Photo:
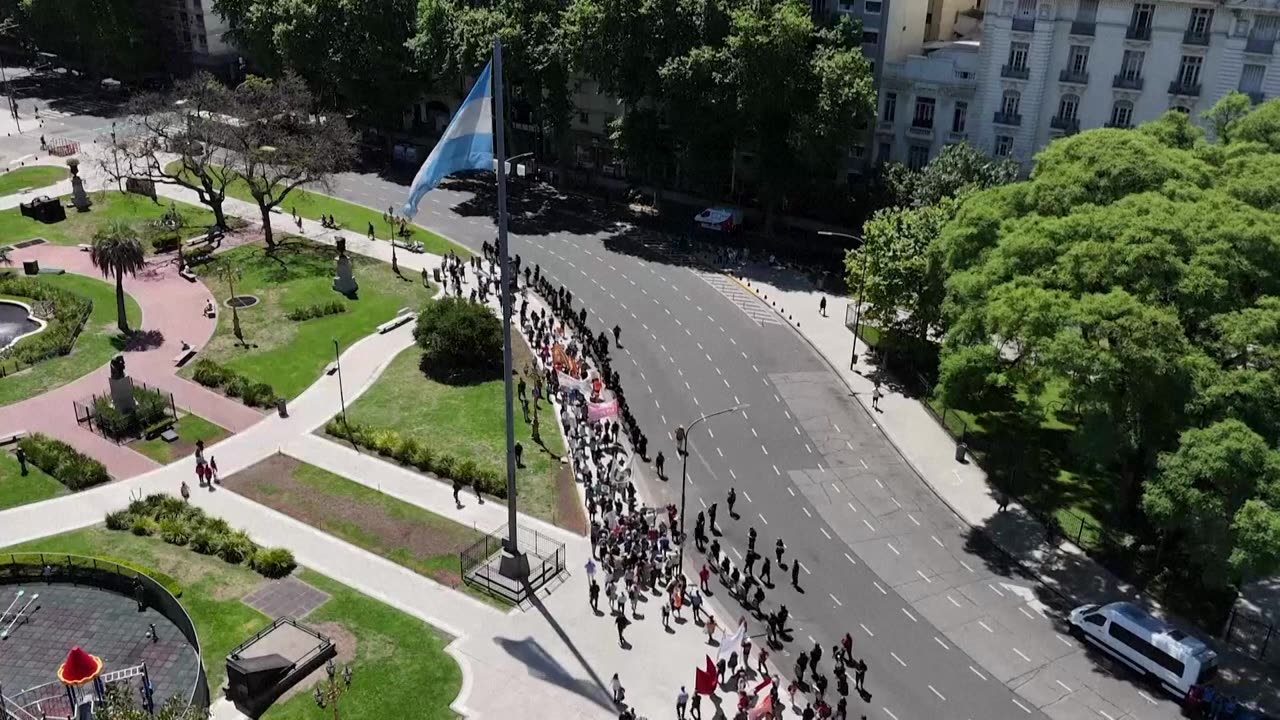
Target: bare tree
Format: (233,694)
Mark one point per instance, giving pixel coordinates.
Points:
(184,123)
(276,144)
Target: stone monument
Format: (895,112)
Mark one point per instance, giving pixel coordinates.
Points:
(121,386)
(343,281)
(78,196)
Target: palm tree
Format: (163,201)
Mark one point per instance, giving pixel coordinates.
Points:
(5,258)
(116,251)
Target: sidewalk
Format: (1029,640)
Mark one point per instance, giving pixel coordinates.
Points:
(930,450)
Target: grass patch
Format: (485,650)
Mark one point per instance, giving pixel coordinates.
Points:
(290,355)
(190,428)
(403,533)
(29,178)
(17,489)
(311,205)
(108,205)
(467,421)
(390,646)
(97,342)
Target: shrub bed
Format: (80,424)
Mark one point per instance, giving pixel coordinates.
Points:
(66,314)
(212,375)
(151,409)
(62,462)
(179,523)
(202,254)
(310,312)
(408,451)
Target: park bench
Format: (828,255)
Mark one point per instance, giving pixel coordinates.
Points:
(183,356)
(331,368)
(187,275)
(84,247)
(395,322)
(12,437)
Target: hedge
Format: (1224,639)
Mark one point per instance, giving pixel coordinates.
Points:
(406,450)
(197,256)
(66,314)
(62,462)
(310,312)
(177,522)
(212,375)
(151,409)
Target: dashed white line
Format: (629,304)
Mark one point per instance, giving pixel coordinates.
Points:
(995,589)
(1024,612)
(766,522)
(924,577)
(986,627)
(864,462)
(935,692)
(802,567)
(704,503)
(1106,715)
(1063,640)
(935,539)
(710,433)
(837,600)
(719,452)
(869,525)
(866,630)
(1025,709)
(732,474)
(984,677)
(908,614)
(849,557)
(894,549)
(880,587)
(1147,697)
(850,504)
(966,566)
(940,642)
(889,712)
(753,367)
(1022,655)
(913,519)
(825,533)
(796,428)
(953,600)
(735,552)
(806,447)
(793,492)
(895,502)
(879,483)
(765,449)
(754,433)
(1065,686)
(835,487)
(807,513)
(901,662)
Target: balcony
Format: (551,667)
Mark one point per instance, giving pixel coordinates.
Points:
(885,126)
(920,130)
(957,136)
(1256,97)
(1138,32)
(1020,72)
(1069,125)
(1260,45)
(1125,82)
(1080,27)
(1180,87)
(1195,37)
(1071,76)
(1024,24)
(1005,118)
(1119,126)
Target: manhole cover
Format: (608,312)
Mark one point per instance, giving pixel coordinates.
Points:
(29,243)
(242,301)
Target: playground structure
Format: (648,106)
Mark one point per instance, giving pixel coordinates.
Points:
(48,666)
(62,147)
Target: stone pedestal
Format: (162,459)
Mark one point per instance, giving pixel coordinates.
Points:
(514,566)
(78,196)
(343,281)
(121,386)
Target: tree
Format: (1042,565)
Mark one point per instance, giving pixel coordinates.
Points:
(461,341)
(1200,492)
(958,169)
(1224,113)
(126,39)
(275,146)
(116,251)
(178,122)
(120,704)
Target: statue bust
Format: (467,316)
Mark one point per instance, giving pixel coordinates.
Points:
(117,367)
(342,246)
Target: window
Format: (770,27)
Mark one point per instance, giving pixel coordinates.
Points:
(1078,59)
(924,113)
(857,151)
(1189,70)
(1018,55)
(1095,619)
(1146,649)
(870,37)
(1122,114)
(1143,14)
(1009,103)
(1251,78)
(884,154)
(890,106)
(584,118)
(1181,109)
(959,117)
(1087,11)
(1131,65)
(872,7)
(1026,8)
(1201,21)
(917,156)
(1004,145)
(1069,106)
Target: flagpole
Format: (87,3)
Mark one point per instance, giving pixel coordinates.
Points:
(514,563)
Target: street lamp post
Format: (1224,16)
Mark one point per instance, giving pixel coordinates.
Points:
(862,286)
(332,688)
(115,156)
(342,397)
(682,447)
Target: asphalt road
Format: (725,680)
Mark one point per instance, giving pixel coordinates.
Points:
(807,462)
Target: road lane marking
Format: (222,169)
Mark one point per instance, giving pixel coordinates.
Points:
(754,433)
(704,503)
(889,712)
(793,492)
(908,614)
(1106,715)
(864,462)
(1065,686)
(835,487)
(796,428)
(732,474)
(924,577)
(837,427)
(806,447)
(966,566)
(1025,709)
(1022,654)
(735,552)
(913,519)
(837,600)
(880,587)
(766,522)
(995,589)
(753,367)
(895,502)
(1063,640)
(1147,697)
(807,513)
(986,627)
(851,507)
(975,672)
(719,452)
(953,600)
(901,662)
(935,537)
(894,549)
(765,449)
(935,692)
(867,630)
(802,567)
(880,483)
(1024,612)
(848,557)
(727,386)
(710,434)
(869,525)
(939,641)
(824,532)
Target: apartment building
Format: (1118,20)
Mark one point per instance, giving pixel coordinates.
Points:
(891,29)
(200,33)
(927,101)
(1052,67)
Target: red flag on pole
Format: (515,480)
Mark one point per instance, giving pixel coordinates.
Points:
(704,682)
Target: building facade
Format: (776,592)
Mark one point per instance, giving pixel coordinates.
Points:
(1052,67)
(927,102)
(201,32)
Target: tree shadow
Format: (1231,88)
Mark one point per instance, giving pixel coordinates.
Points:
(532,208)
(138,341)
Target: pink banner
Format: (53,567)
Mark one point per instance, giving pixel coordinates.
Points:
(600,411)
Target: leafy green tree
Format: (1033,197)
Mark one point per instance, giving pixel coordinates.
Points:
(126,39)
(120,704)
(116,251)
(958,169)
(461,341)
(1200,491)
(1261,125)
(1229,108)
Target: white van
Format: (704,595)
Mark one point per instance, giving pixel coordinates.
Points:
(1147,644)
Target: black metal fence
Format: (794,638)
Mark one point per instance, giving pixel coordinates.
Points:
(1253,635)
(479,564)
(86,414)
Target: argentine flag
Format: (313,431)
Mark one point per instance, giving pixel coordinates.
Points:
(467,144)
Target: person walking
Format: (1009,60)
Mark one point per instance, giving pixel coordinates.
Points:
(594,595)
(695,604)
(762,657)
(695,707)
(519,455)
(778,549)
(815,655)
(766,572)
(457,488)
(711,627)
(186,491)
(591,569)
(682,701)
(846,644)
(860,675)
(711,515)
(751,540)
(795,574)
(200,472)
(660,462)
(802,662)
(213,470)
(619,692)
(733,498)
(822,306)
(666,615)
(703,575)
(875,397)
(621,621)
(617,336)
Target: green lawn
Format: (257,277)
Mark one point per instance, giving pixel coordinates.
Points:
(311,205)
(190,428)
(286,354)
(97,342)
(406,534)
(16,489)
(467,421)
(107,206)
(29,178)
(400,665)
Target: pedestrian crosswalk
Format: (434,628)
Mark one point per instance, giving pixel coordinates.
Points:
(746,301)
